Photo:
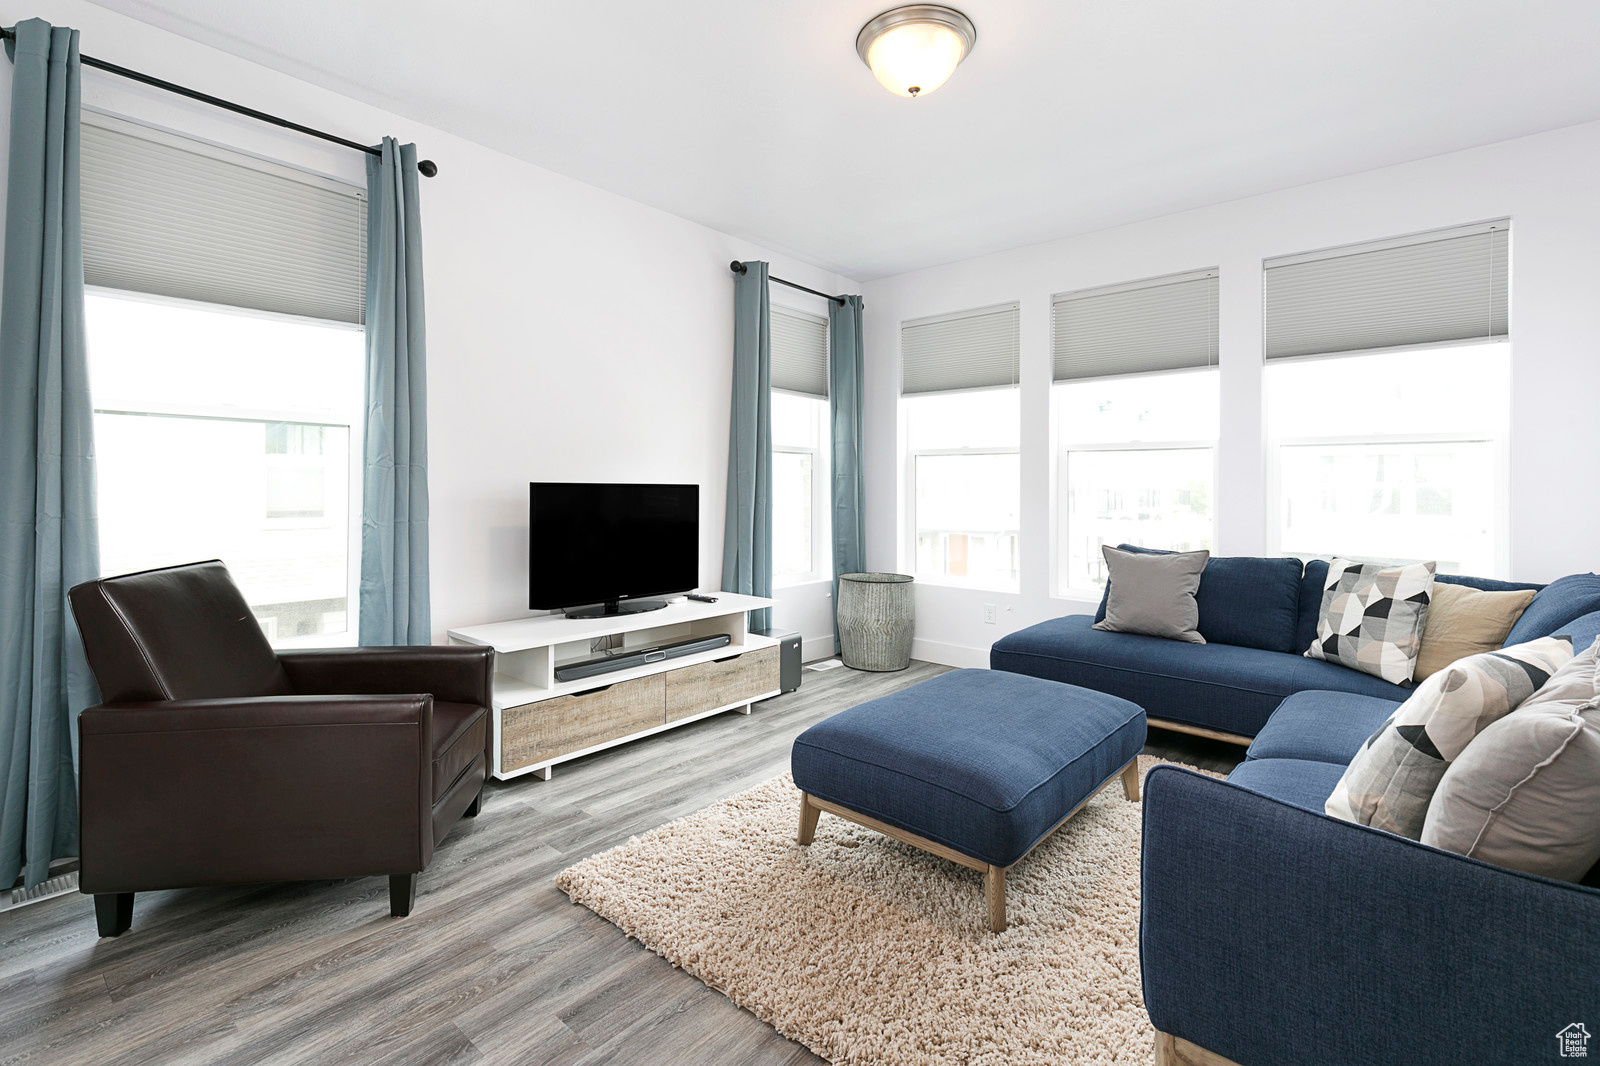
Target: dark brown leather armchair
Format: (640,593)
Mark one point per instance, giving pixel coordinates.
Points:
(213,760)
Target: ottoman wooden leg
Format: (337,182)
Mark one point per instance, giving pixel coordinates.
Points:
(1130,780)
(808,820)
(994,893)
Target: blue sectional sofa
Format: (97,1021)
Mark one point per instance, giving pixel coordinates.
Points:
(1272,934)
(1258,616)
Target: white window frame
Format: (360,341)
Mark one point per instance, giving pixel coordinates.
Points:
(1500,442)
(352,420)
(821,498)
(1062,445)
(909,545)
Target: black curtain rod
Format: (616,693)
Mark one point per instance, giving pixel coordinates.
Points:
(739,268)
(426,167)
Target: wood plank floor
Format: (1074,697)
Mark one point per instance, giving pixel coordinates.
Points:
(494,964)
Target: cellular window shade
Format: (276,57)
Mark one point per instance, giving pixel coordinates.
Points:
(165,220)
(799,352)
(1441,287)
(1167,323)
(968,350)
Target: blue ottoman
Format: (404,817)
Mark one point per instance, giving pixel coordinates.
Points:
(976,766)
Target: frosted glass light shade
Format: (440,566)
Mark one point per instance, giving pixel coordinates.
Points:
(913,50)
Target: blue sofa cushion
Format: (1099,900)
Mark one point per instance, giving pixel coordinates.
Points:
(1321,726)
(983,762)
(1300,782)
(1487,584)
(1558,603)
(1312,585)
(1583,630)
(1216,686)
(1244,601)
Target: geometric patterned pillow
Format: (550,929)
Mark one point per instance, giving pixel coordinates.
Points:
(1373,616)
(1392,779)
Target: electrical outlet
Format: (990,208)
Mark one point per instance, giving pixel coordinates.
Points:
(990,615)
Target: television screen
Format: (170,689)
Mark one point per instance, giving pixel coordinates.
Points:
(604,543)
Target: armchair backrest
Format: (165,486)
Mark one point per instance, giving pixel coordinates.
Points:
(179,633)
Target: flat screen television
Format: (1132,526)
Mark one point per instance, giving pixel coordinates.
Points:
(606,547)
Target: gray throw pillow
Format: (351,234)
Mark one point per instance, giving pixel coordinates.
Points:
(1525,794)
(1392,779)
(1154,594)
(1373,617)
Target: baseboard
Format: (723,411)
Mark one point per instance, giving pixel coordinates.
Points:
(815,648)
(958,655)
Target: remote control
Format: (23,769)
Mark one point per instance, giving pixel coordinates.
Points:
(699,598)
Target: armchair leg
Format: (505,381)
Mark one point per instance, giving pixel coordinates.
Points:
(476,805)
(402,894)
(113,912)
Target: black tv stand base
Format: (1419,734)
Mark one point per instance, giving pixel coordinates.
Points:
(614,607)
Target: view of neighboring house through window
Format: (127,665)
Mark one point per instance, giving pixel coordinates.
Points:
(226,368)
(1134,414)
(961,413)
(801,536)
(1399,453)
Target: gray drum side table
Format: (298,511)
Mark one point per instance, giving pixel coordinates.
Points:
(876,612)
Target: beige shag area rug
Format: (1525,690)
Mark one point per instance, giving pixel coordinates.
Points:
(867,950)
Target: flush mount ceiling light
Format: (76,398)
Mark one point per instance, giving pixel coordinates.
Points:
(913,50)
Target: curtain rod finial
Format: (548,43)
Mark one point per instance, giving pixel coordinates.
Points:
(428,168)
(737,267)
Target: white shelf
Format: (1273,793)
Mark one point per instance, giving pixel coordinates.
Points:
(521,634)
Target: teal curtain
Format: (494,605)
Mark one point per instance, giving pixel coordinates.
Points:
(49,540)
(747,529)
(394,487)
(845,369)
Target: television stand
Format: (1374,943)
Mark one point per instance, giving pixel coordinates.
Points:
(616,607)
(538,720)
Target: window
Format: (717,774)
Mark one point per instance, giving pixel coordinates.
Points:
(1134,413)
(961,412)
(1396,454)
(1135,464)
(223,434)
(801,531)
(1413,470)
(226,366)
(801,501)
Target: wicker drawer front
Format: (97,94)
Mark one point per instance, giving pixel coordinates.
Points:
(706,685)
(541,731)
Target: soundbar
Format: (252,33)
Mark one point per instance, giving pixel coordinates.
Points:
(627,659)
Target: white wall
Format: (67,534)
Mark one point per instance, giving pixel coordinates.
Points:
(1545,183)
(572,334)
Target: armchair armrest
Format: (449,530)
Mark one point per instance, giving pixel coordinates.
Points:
(455,674)
(276,788)
(1272,934)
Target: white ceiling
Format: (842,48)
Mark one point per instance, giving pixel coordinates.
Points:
(755,117)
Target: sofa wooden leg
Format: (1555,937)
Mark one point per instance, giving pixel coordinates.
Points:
(476,805)
(1175,1051)
(994,894)
(808,820)
(113,912)
(1130,780)
(402,894)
